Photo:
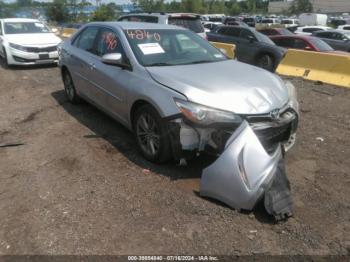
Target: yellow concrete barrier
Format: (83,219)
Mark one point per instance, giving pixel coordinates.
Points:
(329,68)
(68,32)
(229,48)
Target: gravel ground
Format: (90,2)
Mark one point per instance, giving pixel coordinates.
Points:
(77,185)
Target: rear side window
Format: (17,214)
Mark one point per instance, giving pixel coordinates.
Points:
(108,42)
(268,32)
(86,39)
(284,42)
(347,28)
(324,35)
(193,24)
(232,31)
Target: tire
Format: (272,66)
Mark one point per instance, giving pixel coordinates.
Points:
(69,88)
(4,59)
(151,135)
(266,62)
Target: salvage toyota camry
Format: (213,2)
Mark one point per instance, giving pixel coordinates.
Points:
(181,96)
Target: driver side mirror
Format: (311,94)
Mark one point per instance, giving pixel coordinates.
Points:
(115,59)
(251,39)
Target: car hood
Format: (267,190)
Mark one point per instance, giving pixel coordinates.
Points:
(227,85)
(43,39)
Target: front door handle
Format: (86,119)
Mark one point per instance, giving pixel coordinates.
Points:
(92,66)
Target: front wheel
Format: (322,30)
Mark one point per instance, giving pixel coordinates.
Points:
(151,134)
(266,62)
(4,59)
(70,88)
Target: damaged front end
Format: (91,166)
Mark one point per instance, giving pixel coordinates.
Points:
(249,164)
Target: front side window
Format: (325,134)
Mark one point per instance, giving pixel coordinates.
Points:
(108,42)
(25,28)
(246,34)
(166,47)
(86,39)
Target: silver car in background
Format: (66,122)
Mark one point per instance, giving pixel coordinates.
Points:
(181,96)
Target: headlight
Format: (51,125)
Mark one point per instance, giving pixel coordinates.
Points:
(205,115)
(293,98)
(18,47)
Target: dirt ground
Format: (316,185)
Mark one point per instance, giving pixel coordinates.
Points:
(77,185)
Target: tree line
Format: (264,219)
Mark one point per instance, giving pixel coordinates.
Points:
(73,10)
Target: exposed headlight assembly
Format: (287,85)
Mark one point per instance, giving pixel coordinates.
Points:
(203,115)
(293,98)
(18,47)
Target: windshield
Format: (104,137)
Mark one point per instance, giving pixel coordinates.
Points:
(347,34)
(321,45)
(193,24)
(25,28)
(171,47)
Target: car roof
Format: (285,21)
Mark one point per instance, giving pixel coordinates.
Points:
(304,37)
(20,20)
(136,25)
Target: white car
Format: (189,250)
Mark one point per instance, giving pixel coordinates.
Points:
(27,42)
(308,30)
(344,27)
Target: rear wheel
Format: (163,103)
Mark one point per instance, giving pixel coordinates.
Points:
(266,62)
(151,134)
(70,88)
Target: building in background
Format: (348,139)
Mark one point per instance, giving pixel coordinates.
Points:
(320,6)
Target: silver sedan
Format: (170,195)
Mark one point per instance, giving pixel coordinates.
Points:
(181,96)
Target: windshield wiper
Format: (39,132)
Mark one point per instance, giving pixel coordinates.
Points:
(200,62)
(160,64)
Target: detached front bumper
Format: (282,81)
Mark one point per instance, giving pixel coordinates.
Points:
(245,173)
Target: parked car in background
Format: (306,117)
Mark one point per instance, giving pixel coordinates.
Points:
(210,26)
(308,30)
(312,19)
(270,21)
(192,22)
(339,40)
(252,47)
(344,27)
(290,22)
(230,19)
(275,31)
(249,21)
(27,42)
(303,42)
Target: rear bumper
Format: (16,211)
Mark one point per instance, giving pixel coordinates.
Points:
(17,57)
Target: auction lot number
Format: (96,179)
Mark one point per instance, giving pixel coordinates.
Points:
(172,258)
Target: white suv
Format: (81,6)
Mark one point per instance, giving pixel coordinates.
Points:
(190,21)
